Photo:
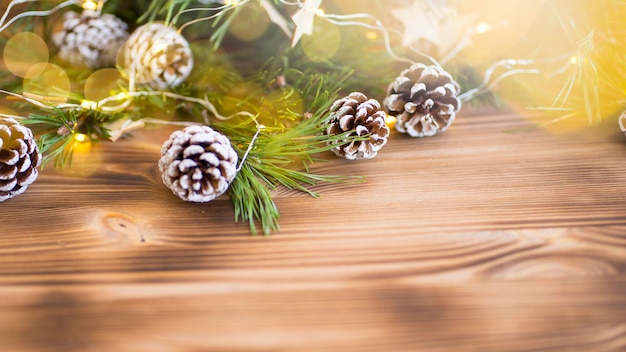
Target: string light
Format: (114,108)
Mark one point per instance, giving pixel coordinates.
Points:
(91,5)
(89,105)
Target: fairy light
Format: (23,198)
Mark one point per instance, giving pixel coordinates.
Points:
(80,137)
(371,35)
(390,121)
(483,27)
(91,5)
(88,104)
(574,60)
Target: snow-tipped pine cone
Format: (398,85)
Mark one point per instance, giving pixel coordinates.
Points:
(90,40)
(423,99)
(157,55)
(19,158)
(198,163)
(362,116)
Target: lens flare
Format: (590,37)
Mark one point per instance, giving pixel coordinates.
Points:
(102,84)
(323,43)
(23,51)
(47,80)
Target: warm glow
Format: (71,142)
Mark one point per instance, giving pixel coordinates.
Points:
(573,60)
(80,137)
(483,28)
(390,121)
(23,51)
(90,5)
(319,12)
(48,81)
(371,35)
(88,104)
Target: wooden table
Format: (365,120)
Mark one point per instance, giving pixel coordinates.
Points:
(489,237)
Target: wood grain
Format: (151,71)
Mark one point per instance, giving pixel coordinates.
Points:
(490,237)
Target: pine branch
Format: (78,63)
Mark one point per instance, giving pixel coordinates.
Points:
(59,132)
(280,156)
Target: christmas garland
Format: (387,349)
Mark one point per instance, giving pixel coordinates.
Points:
(262,88)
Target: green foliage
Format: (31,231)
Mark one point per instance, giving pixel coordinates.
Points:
(277,155)
(57,132)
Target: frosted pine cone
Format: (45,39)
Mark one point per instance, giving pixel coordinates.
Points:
(91,40)
(19,158)
(157,55)
(198,163)
(423,99)
(356,112)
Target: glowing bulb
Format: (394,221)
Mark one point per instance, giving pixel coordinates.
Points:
(91,5)
(80,137)
(483,28)
(390,121)
(371,35)
(319,12)
(88,104)
(573,60)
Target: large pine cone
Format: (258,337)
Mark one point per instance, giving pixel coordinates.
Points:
(157,55)
(91,40)
(198,163)
(423,99)
(19,158)
(362,116)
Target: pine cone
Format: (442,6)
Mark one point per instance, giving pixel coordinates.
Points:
(355,112)
(424,100)
(198,163)
(91,40)
(19,158)
(157,55)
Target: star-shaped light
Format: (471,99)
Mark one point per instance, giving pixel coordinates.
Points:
(304,19)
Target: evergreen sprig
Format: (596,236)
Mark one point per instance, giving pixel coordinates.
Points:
(282,157)
(57,132)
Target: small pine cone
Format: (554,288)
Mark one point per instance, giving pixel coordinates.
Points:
(157,55)
(19,158)
(423,99)
(356,112)
(198,163)
(91,40)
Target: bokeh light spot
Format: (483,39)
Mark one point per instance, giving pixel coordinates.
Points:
(102,84)
(47,80)
(86,158)
(323,43)
(250,23)
(23,51)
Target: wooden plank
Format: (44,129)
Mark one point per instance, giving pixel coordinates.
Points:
(480,239)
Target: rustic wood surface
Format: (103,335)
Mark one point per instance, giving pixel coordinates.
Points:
(490,237)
